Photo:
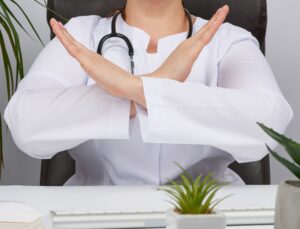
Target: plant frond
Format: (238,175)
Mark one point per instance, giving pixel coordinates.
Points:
(65,20)
(29,22)
(19,69)
(7,65)
(292,147)
(185,172)
(209,199)
(215,203)
(186,184)
(17,42)
(289,165)
(194,196)
(15,19)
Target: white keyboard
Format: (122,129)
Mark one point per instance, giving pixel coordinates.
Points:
(144,207)
(133,218)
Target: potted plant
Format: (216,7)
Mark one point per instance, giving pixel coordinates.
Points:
(8,20)
(194,203)
(287,212)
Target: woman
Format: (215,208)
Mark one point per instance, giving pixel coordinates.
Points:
(195,101)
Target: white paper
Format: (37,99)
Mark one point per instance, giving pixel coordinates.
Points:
(16,212)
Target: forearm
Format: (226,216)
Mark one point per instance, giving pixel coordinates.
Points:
(221,117)
(49,120)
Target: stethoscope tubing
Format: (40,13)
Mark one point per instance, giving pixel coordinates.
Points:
(114,33)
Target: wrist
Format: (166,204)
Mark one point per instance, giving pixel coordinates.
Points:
(136,91)
(153,75)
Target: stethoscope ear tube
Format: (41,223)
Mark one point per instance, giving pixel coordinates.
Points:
(127,41)
(190,33)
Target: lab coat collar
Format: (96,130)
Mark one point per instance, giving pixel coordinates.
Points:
(140,39)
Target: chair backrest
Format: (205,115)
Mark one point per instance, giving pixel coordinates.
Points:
(249,14)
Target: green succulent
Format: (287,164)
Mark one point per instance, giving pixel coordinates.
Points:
(194,196)
(14,71)
(291,147)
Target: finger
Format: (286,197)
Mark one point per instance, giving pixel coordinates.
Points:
(65,31)
(69,36)
(215,25)
(215,18)
(82,54)
(219,14)
(59,33)
(73,47)
(207,34)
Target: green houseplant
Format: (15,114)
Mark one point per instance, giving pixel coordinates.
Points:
(287,214)
(13,66)
(194,202)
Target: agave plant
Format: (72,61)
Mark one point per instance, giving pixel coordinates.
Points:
(194,196)
(291,147)
(14,71)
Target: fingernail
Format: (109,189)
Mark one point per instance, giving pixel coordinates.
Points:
(225,6)
(61,24)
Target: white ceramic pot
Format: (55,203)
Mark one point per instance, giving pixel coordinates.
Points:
(207,221)
(287,213)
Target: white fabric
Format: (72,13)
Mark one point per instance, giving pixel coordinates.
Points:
(204,123)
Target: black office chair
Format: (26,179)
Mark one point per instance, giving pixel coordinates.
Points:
(249,14)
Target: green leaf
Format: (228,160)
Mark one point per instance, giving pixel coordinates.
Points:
(294,151)
(6,22)
(291,166)
(273,134)
(13,16)
(186,184)
(7,64)
(204,182)
(171,193)
(184,171)
(292,147)
(193,196)
(28,20)
(16,39)
(204,208)
(196,186)
(13,46)
(65,20)
(215,203)
(180,191)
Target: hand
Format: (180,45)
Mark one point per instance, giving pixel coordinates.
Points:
(122,84)
(179,64)
(109,76)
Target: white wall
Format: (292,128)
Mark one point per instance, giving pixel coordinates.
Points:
(283,53)
(20,168)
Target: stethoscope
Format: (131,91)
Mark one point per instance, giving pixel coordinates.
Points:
(127,41)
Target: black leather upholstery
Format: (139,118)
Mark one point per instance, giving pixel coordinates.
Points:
(249,14)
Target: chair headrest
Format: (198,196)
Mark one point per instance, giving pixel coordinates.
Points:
(248,14)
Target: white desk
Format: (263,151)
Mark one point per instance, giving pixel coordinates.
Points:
(44,199)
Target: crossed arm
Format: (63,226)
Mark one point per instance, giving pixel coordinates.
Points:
(53,110)
(177,66)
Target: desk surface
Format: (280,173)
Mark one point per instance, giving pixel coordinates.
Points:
(44,199)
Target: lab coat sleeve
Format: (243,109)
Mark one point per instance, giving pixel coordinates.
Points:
(225,116)
(54,110)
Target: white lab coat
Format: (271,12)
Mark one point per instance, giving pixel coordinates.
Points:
(204,123)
